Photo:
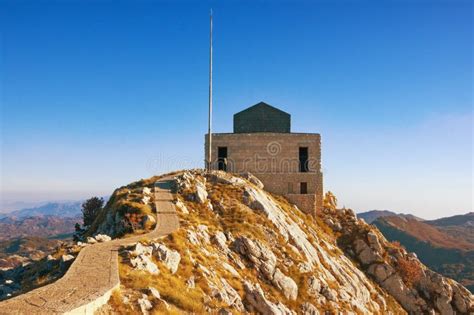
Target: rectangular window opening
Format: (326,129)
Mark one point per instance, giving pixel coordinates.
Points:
(222,158)
(303,188)
(303,157)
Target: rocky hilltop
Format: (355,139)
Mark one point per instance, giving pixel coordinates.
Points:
(445,245)
(241,249)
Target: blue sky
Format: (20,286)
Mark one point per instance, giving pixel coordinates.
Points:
(96,94)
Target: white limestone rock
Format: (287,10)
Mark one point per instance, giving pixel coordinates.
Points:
(91,240)
(145,304)
(230,269)
(261,256)
(309,309)
(226,294)
(256,301)
(182,207)
(314,286)
(146,200)
(169,257)
(192,237)
(219,239)
(201,193)
(144,262)
(287,285)
(140,249)
(102,238)
(202,234)
(374,242)
(226,178)
(289,229)
(253,179)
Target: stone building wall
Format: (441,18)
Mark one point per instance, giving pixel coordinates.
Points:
(304,202)
(274,159)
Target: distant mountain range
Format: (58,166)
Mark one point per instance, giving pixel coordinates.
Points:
(60,209)
(445,245)
(50,220)
(40,226)
(372,215)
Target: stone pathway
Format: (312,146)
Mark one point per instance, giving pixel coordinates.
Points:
(93,276)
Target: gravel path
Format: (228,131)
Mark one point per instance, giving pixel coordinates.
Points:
(90,280)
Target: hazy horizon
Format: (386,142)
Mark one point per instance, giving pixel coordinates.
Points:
(97,95)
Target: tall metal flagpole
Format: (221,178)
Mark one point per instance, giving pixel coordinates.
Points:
(209,129)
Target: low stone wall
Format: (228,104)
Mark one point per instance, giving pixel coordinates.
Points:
(94,305)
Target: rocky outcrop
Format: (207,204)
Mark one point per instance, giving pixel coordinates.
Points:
(261,257)
(145,304)
(264,260)
(253,179)
(285,284)
(240,249)
(257,302)
(170,258)
(141,258)
(415,287)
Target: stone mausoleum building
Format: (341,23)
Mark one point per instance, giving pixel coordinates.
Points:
(262,143)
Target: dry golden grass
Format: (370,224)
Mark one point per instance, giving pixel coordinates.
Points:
(116,303)
(233,216)
(127,200)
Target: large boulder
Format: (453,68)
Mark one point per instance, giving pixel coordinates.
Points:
(262,258)
(225,178)
(144,262)
(139,249)
(255,301)
(169,257)
(365,253)
(102,238)
(287,285)
(374,242)
(397,288)
(380,271)
(140,258)
(201,193)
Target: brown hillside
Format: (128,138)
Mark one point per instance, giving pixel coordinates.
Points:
(428,233)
